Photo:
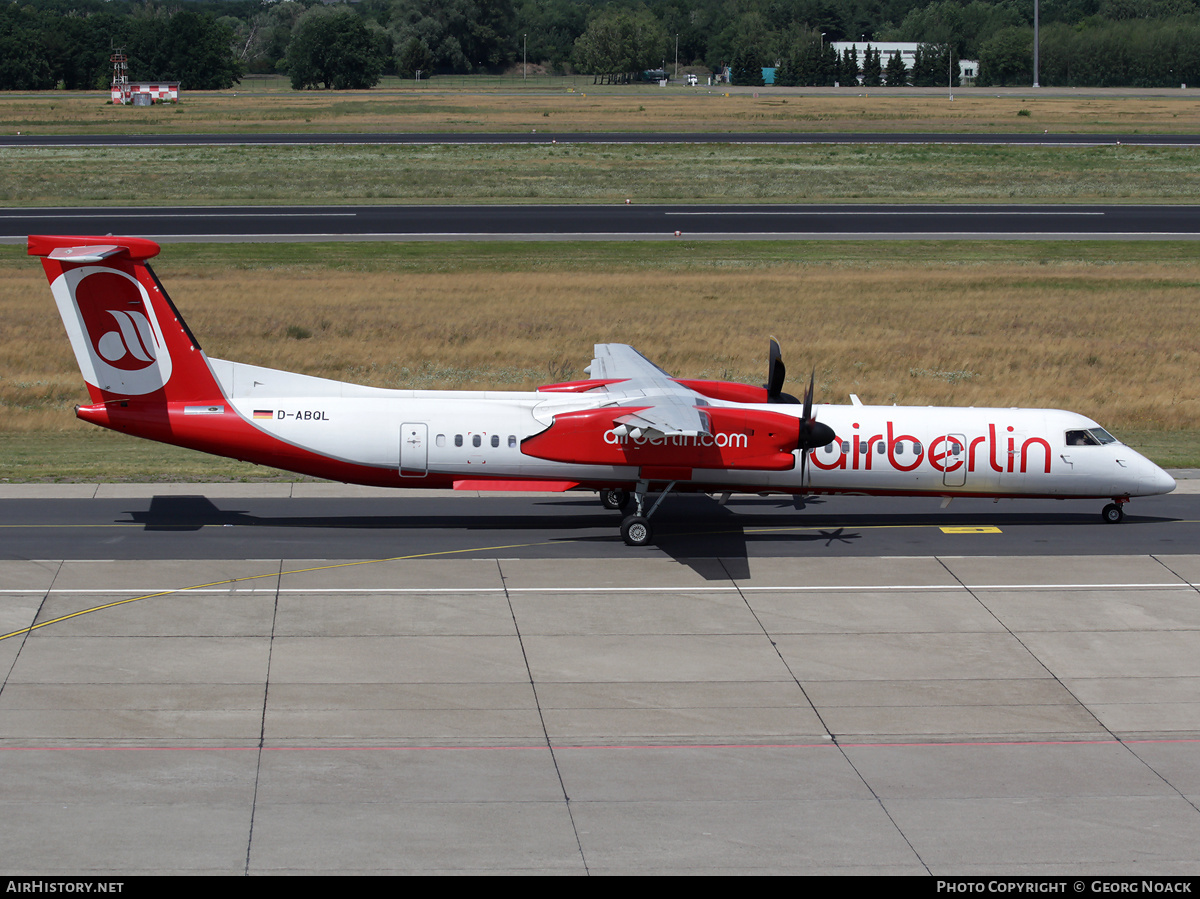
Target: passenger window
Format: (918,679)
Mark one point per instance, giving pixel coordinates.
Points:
(512,441)
(441,440)
(845,446)
(476,441)
(916,449)
(495,440)
(879,448)
(458,439)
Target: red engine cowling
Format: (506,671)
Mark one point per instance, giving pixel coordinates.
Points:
(738,439)
(727,391)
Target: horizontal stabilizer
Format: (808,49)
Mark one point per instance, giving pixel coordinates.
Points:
(90,249)
(86,254)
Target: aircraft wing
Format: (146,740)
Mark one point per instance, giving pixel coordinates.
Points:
(662,405)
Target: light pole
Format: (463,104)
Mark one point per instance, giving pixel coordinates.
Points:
(1035,44)
(950,70)
(677,57)
(524,58)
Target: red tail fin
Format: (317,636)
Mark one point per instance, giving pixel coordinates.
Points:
(129,339)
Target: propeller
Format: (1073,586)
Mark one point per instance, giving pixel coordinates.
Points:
(813,434)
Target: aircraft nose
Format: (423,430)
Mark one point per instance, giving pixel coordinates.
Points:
(1154,480)
(1143,478)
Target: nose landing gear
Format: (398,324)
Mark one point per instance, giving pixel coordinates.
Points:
(1113,513)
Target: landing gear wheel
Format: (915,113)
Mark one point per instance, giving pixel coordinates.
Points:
(636,531)
(1113,513)
(612,498)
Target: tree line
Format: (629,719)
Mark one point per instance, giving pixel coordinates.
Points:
(207,44)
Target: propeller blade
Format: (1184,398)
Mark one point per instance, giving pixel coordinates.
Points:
(776,375)
(776,371)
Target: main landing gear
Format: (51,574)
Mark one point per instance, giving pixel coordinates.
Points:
(1113,513)
(635,529)
(613,498)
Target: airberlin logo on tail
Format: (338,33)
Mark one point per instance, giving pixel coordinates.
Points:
(132,346)
(113,329)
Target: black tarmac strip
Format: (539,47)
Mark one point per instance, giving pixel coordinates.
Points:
(691,529)
(617,221)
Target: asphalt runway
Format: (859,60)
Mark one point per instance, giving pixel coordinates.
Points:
(611,222)
(308,678)
(232,522)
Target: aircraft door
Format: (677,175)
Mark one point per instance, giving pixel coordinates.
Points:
(1014,476)
(414,449)
(953,464)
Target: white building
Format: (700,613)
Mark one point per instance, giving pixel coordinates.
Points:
(967,68)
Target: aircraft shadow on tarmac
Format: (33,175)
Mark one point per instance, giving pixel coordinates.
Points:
(710,538)
(707,537)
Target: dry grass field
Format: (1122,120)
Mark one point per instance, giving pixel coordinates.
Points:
(573,104)
(1092,327)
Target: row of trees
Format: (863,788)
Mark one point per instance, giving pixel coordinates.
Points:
(43,48)
(1135,53)
(212,43)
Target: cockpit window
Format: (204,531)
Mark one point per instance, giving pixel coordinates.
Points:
(1091,437)
(1081,438)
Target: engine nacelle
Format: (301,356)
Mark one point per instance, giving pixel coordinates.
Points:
(739,439)
(727,391)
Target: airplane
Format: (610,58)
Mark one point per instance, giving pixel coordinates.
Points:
(628,430)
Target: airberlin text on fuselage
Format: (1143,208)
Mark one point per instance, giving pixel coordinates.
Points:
(946,452)
(737,441)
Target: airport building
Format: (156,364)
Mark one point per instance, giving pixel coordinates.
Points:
(968,69)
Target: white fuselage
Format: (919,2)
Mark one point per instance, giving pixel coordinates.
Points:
(902,450)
